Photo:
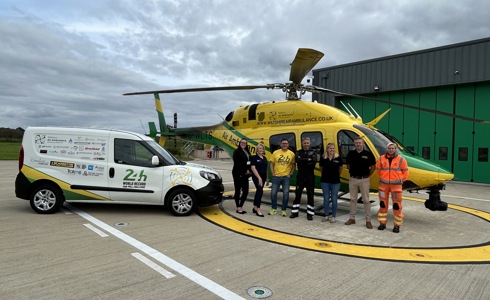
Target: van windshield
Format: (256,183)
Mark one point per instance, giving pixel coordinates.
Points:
(167,156)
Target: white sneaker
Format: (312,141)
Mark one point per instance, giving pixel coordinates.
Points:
(332,219)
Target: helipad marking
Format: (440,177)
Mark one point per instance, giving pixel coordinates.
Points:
(465,254)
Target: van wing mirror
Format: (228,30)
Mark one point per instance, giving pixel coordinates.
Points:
(155,161)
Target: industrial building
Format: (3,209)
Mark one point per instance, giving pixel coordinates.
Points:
(453,79)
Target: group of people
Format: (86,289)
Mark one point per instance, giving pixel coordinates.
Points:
(392,169)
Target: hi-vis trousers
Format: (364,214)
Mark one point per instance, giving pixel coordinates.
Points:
(396,197)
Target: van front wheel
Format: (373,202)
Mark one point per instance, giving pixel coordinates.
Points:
(46,199)
(181,202)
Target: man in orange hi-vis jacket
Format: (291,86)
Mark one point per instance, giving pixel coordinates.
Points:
(393,171)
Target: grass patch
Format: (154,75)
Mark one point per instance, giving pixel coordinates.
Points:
(9,150)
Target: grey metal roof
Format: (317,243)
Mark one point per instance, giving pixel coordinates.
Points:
(447,65)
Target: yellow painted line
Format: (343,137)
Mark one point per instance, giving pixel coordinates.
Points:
(466,254)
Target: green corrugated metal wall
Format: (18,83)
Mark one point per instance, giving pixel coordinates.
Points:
(458,145)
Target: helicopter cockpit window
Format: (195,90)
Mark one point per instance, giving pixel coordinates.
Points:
(316,140)
(275,141)
(378,139)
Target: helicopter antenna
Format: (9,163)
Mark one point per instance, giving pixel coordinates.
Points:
(346,109)
(359,117)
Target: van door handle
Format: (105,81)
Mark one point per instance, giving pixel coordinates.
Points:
(111,172)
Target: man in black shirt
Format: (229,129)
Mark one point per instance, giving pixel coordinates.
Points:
(306,159)
(361,164)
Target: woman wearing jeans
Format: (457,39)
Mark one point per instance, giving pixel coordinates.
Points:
(331,167)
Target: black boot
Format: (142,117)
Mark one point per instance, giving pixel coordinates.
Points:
(293,215)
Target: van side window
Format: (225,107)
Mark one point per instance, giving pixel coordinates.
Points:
(130,152)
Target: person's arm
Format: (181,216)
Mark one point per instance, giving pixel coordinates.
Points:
(378,165)
(404,169)
(293,168)
(256,174)
(371,170)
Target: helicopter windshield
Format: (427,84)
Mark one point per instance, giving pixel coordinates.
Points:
(379,138)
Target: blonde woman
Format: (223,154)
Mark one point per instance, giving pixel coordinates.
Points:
(330,167)
(259,177)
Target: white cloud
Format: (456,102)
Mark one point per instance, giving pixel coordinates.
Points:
(68,63)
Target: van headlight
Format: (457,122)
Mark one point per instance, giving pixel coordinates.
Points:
(209,175)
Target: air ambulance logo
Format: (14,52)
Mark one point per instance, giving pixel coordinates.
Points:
(180,176)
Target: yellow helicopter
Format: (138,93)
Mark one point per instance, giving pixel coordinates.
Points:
(292,119)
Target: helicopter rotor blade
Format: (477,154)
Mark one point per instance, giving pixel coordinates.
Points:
(316,89)
(205,89)
(304,61)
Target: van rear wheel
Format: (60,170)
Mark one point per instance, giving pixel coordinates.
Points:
(46,199)
(181,202)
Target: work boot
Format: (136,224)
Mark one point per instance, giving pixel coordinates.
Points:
(382,227)
(293,215)
(369,225)
(396,229)
(309,217)
(350,222)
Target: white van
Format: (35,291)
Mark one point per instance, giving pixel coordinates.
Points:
(93,166)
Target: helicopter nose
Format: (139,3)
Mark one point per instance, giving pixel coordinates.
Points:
(443,177)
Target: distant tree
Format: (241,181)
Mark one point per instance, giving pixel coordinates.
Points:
(9,134)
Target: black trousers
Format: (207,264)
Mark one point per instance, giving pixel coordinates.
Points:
(305,181)
(241,187)
(259,189)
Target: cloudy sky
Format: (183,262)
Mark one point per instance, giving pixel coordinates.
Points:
(68,62)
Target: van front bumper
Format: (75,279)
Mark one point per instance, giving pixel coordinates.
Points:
(210,194)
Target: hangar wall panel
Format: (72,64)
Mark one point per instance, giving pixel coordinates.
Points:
(453,79)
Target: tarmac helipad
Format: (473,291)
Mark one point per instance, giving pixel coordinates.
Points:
(431,247)
(426,237)
(97,251)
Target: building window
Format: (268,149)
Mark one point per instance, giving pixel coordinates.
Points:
(442,153)
(426,152)
(483,154)
(463,154)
